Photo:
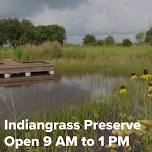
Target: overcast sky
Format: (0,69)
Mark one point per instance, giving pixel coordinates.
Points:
(120,18)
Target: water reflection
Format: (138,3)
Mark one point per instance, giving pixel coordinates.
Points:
(68,91)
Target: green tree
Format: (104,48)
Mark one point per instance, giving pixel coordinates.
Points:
(109,41)
(9,30)
(58,33)
(28,32)
(140,37)
(3,35)
(126,43)
(51,33)
(148,38)
(20,32)
(13,31)
(99,42)
(89,39)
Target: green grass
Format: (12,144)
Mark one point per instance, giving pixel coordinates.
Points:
(114,60)
(107,60)
(133,106)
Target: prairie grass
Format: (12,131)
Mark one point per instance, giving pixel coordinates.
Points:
(115,60)
(131,107)
(46,51)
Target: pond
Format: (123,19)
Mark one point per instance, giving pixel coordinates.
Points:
(23,99)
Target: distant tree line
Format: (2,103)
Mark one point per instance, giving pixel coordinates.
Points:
(90,39)
(141,38)
(20,32)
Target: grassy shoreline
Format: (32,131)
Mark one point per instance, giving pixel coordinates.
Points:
(130,107)
(114,60)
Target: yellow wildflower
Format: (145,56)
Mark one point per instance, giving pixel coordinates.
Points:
(123,90)
(146,76)
(150,86)
(133,77)
(149,94)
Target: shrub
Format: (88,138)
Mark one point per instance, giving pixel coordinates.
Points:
(89,39)
(109,41)
(126,43)
(100,43)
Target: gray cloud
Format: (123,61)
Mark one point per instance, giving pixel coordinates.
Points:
(19,8)
(25,8)
(80,17)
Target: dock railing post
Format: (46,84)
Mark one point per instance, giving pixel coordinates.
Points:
(52,72)
(28,74)
(7,75)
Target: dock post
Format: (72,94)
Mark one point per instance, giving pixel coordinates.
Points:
(51,72)
(7,75)
(27,74)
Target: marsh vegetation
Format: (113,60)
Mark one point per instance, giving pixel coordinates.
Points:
(114,60)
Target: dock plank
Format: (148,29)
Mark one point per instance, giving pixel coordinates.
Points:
(13,67)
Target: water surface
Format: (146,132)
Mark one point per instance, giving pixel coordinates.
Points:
(23,99)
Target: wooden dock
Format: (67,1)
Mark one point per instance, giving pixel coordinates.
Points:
(15,71)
